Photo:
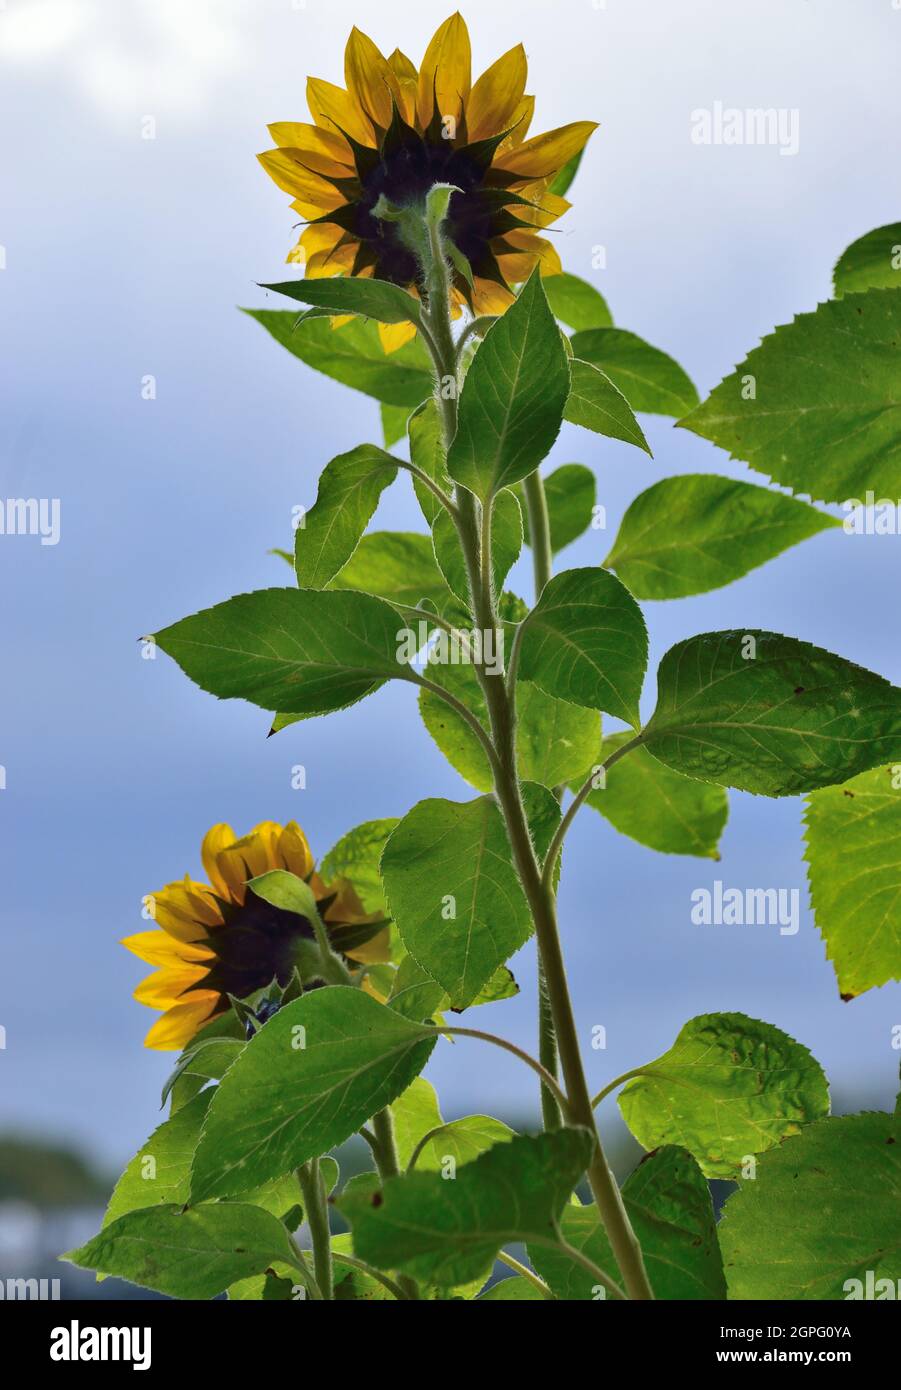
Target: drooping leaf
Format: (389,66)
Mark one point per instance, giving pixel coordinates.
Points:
(649,379)
(450,1232)
(462,1141)
(817,406)
(295,650)
(821,1212)
(570,493)
(353,355)
(668,1202)
(395,565)
(506,543)
(853,835)
(513,397)
(729,1087)
(349,490)
(352,294)
(188,1254)
(585,641)
(415,1112)
(356,857)
(428,453)
(596,404)
(394,423)
(576,303)
(201,1061)
(656,806)
(696,532)
(305,1082)
(453,891)
(873,262)
(770,714)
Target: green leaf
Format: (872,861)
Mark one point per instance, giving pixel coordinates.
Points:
(394,423)
(585,641)
(353,355)
(822,1210)
(817,406)
(353,1285)
(305,1082)
(873,262)
(415,994)
(562,180)
(696,532)
(356,857)
(415,1112)
(570,493)
(453,891)
(428,453)
(462,1141)
(161,1171)
(770,714)
(349,490)
(188,1254)
(729,1087)
(296,650)
(649,379)
(596,404)
(513,397)
(450,1232)
(668,1203)
(199,1063)
(576,303)
(656,806)
(395,565)
(506,543)
(513,1290)
(350,294)
(853,835)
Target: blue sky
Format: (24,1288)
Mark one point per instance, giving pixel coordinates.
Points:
(126,257)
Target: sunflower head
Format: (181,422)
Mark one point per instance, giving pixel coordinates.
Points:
(393,133)
(216,941)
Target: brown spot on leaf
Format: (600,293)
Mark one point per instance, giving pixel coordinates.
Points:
(846,998)
(376,1199)
(799,690)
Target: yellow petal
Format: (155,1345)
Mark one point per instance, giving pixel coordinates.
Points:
(445,73)
(496,96)
(335,110)
(159,948)
(529,250)
(490,298)
(184,913)
(179,1024)
(407,84)
(315,193)
(546,207)
(519,125)
(332,149)
(394,335)
(217,838)
(544,155)
(369,78)
(164,987)
(294,852)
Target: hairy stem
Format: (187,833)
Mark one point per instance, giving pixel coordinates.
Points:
(538,890)
(316,1208)
(389,1167)
(542,564)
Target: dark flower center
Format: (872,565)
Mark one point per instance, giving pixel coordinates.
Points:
(256,945)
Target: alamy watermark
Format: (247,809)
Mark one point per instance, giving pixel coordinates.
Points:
(733,125)
(424,645)
(747,907)
(31,516)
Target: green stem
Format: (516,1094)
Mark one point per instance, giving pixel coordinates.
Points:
(388,1164)
(539,893)
(316,1208)
(547,1080)
(542,565)
(525,1273)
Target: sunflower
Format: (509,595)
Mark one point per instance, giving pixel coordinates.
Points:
(394,132)
(219,939)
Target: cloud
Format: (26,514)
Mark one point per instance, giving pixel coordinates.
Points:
(152,56)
